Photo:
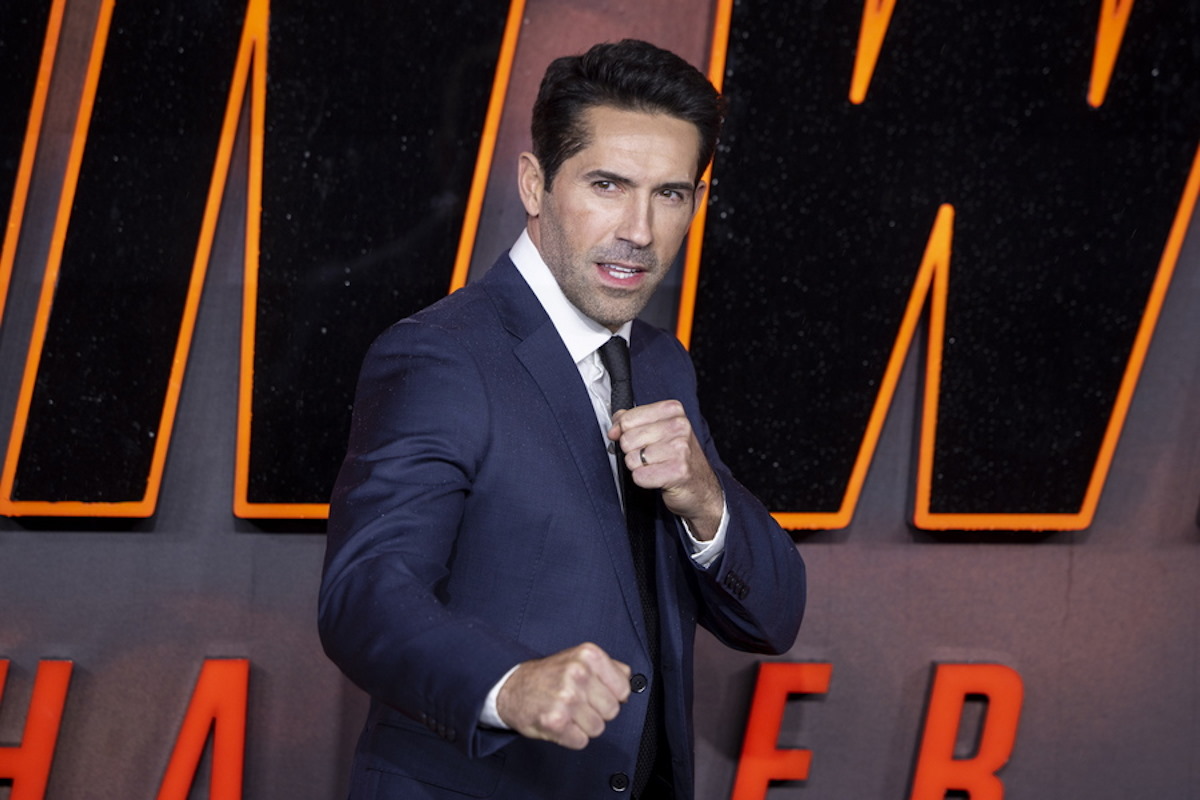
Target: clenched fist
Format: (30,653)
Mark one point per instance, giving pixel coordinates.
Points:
(565,698)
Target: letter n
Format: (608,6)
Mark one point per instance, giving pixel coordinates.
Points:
(219,703)
(28,765)
(938,770)
(761,761)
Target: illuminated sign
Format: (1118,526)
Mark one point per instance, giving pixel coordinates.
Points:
(1019,178)
(987,182)
(218,705)
(939,769)
(220,701)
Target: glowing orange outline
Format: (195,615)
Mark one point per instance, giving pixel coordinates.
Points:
(255,26)
(922,516)
(1112,19)
(8,506)
(487,145)
(1110,31)
(719,51)
(933,280)
(33,132)
(242,507)
(877,16)
(253,41)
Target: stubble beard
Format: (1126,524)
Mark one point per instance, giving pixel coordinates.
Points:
(611,307)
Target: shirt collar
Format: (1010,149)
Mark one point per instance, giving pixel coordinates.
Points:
(580,333)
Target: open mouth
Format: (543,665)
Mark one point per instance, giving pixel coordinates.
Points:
(620,272)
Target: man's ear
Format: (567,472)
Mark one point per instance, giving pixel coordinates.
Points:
(698,196)
(530,183)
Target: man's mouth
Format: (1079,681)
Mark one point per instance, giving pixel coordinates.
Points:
(621,272)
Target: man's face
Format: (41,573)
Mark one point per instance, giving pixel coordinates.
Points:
(618,210)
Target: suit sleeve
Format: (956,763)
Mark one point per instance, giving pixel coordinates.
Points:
(418,435)
(752,596)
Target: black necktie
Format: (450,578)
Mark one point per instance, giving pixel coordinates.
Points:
(639,519)
(639,502)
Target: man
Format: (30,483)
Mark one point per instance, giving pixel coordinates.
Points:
(483,582)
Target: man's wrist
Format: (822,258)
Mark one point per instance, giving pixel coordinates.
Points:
(489,717)
(706,551)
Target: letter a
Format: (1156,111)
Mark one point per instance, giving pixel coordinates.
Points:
(220,702)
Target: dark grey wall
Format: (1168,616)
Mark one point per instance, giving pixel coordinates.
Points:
(1102,625)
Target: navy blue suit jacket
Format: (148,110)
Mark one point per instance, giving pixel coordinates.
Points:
(475,524)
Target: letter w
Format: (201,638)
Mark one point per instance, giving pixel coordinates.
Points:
(1070,203)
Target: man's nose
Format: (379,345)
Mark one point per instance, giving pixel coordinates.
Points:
(637,222)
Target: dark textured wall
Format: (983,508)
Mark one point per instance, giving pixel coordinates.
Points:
(1103,625)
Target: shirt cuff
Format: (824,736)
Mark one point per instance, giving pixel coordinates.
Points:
(705,553)
(489,717)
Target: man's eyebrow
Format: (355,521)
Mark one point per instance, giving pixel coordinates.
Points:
(605,175)
(683,187)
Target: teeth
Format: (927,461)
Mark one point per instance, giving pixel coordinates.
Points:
(620,272)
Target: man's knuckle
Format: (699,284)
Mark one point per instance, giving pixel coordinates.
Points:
(573,673)
(554,720)
(590,652)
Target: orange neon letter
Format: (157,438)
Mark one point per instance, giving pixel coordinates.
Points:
(761,761)
(219,702)
(877,15)
(1114,17)
(28,764)
(938,771)
(33,131)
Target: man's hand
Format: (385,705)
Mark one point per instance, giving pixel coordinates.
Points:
(565,698)
(662,452)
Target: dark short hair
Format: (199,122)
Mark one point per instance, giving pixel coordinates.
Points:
(629,75)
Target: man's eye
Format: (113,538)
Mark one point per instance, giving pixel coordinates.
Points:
(603,186)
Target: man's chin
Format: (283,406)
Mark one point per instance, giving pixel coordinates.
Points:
(613,317)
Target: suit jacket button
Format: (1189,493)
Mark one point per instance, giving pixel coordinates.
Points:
(618,781)
(638,683)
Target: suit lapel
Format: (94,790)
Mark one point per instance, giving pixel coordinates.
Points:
(542,352)
(651,384)
(649,380)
